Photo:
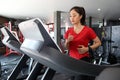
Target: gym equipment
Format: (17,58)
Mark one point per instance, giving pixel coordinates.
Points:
(9,50)
(41,47)
(109,74)
(12,42)
(35,71)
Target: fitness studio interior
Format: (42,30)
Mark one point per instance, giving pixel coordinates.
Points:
(35,44)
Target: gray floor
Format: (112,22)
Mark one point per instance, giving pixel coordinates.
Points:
(7,64)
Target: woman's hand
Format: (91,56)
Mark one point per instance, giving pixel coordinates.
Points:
(82,49)
(70,38)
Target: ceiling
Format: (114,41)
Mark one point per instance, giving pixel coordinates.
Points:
(44,9)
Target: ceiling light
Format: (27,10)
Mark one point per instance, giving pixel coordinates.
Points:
(99,9)
(118,18)
(27,18)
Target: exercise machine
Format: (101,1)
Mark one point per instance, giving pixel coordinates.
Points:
(13,43)
(47,52)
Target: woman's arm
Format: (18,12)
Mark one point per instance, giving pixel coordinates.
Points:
(66,44)
(70,38)
(96,43)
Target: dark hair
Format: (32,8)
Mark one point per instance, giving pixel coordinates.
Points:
(80,11)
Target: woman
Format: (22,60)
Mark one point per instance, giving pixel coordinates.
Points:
(78,37)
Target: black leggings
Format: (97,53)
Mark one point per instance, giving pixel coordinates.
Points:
(83,77)
(87,59)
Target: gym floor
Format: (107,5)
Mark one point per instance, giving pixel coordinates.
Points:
(8,63)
